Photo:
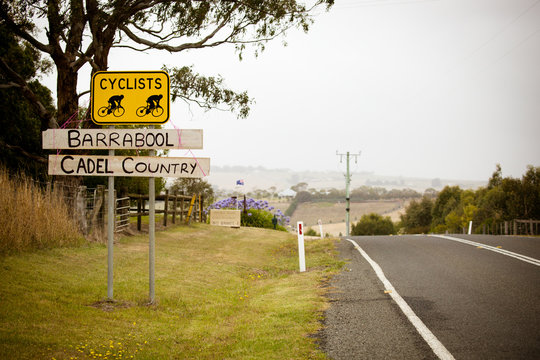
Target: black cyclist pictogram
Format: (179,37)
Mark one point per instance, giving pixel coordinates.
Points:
(152,107)
(115,107)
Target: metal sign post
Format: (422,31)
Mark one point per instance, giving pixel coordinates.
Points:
(110,231)
(152,233)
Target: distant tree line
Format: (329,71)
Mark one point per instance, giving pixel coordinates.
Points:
(363,193)
(503,199)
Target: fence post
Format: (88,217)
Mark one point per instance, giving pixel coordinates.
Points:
(175,204)
(139,213)
(80,209)
(182,208)
(202,209)
(166,210)
(505,227)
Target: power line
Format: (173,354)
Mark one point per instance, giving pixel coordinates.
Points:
(374,3)
(495,35)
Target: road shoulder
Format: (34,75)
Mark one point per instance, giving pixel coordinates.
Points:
(364,322)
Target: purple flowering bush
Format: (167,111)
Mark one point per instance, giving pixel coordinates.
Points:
(259,213)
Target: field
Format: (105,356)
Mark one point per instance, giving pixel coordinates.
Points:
(221,293)
(331,213)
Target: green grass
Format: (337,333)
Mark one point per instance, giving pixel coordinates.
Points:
(221,293)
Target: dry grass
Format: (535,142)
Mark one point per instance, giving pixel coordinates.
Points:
(32,218)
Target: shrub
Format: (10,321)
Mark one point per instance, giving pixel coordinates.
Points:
(373,224)
(311,232)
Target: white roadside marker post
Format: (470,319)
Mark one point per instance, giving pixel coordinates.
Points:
(320,228)
(301,251)
(470,227)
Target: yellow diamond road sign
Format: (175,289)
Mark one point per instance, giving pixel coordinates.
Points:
(130,97)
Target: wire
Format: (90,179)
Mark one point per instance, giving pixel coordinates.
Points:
(373,3)
(494,36)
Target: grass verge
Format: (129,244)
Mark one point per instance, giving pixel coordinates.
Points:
(221,294)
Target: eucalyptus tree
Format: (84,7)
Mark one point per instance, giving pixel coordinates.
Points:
(81,32)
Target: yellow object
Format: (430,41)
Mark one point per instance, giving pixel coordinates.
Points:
(191,204)
(130,97)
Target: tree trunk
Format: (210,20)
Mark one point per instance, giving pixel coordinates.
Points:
(68,101)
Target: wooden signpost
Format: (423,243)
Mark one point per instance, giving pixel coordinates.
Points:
(79,139)
(140,166)
(230,218)
(127,98)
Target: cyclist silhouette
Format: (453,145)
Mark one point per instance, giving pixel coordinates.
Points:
(115,107)
(153,102)
(152,107)
(114,102)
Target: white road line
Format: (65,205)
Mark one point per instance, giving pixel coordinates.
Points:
(527,259)
(437,347)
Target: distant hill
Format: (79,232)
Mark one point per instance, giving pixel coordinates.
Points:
(225,177)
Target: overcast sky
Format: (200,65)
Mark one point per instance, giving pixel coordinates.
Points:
(433,88)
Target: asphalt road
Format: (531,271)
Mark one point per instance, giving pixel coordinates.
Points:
(478,303)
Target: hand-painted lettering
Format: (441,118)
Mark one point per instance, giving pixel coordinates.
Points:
(139,139)
(62,164)
(81,167)
(124,165)
(183,168)
(114,137)
(87,140)
(128,140)
(100,139)
(73,138)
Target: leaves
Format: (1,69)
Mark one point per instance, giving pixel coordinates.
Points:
(207,92)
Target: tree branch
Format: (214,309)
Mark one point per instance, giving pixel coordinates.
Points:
(38,158)
(199,44)
(23,34)
(47,119)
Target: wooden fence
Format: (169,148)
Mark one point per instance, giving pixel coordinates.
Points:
(513,227)
(90,209)
(184,208)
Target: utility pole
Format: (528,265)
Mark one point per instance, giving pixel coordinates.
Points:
(347,187)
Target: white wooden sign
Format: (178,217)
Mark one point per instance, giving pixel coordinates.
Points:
(142,166)
(220,217)
(122,139)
